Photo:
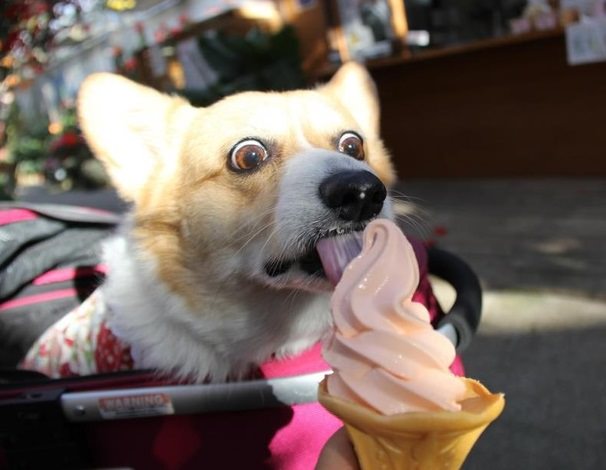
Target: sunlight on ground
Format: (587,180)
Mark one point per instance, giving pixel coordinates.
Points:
(522,311)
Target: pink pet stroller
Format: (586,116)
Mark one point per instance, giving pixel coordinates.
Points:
(136,420)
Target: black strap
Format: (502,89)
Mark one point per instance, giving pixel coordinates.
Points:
(466,312)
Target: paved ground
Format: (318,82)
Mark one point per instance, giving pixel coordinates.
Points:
(539,249)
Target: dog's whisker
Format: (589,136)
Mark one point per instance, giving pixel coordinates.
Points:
(293,296)
(275,229)
(252,236)
(396,194)
(416,223)
(257,230)
(410,213)
(287,247)
(406,203)
(254,224)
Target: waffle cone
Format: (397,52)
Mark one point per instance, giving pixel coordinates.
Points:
(420,440)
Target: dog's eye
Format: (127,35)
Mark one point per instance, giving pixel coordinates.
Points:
(351,144)
(247,155)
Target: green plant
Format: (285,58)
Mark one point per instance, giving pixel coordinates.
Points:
(255,61)
(26,142)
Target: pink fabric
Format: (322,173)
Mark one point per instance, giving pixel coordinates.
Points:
(34,299)
(307,362)
(67,274)
(16,215)
(297,446)
(457,367)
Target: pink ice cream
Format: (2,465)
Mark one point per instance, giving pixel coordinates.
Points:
(384,352)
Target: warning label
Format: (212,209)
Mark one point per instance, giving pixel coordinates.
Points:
(136,406)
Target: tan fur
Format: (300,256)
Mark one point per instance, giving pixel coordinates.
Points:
(171,160)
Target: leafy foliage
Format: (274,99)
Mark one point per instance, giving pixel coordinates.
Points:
(255,61)
(28,29)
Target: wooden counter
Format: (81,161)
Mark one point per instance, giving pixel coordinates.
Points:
(502,107)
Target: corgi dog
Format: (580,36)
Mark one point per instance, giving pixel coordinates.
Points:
(216,268)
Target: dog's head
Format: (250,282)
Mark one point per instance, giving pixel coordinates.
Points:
(242,191)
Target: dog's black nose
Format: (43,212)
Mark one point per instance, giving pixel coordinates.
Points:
(355,195)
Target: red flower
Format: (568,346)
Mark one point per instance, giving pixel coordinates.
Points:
(43,350)
(69,139)
(130,64)
(66,371)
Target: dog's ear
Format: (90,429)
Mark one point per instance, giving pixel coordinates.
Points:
(353,86)
(134,130)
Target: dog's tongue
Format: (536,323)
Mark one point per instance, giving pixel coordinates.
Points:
(336,253)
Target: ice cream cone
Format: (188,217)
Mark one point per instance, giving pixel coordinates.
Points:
(420,440)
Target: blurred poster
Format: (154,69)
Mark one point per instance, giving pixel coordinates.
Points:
(585,37)
(586,41)
(367,27)
(198,74)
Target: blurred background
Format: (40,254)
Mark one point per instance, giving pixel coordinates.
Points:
(419,51)
(493,111)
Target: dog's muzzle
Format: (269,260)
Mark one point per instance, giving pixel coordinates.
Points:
(329,223)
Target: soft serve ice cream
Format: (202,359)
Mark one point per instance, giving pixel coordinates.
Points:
(385,353)
(391,386)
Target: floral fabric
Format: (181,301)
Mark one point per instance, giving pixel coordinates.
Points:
(80,343)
